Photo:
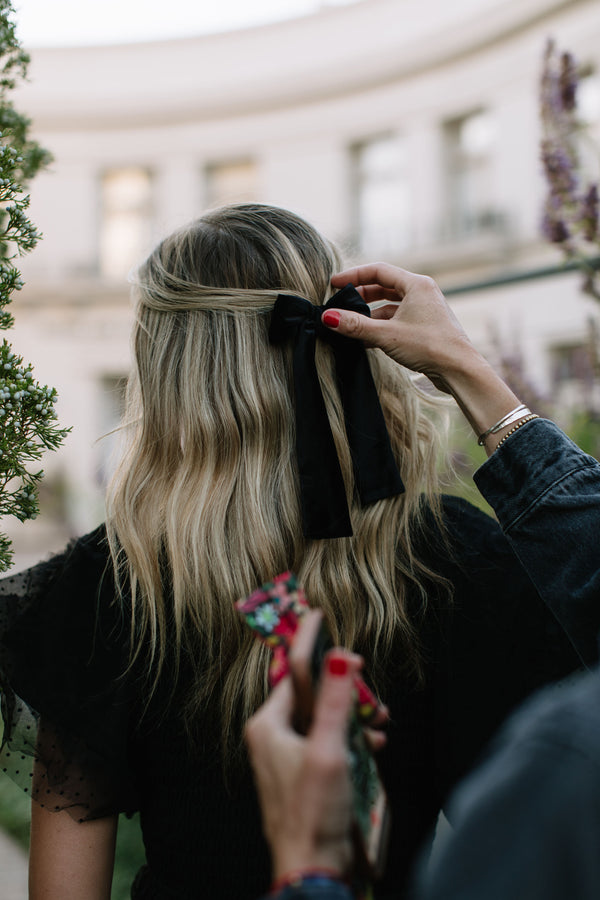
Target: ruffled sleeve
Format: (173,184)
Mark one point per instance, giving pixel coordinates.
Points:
(67,700)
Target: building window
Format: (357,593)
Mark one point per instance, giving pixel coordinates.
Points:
(588,98)
(588,113)
(126,223)
(572,363)
(469,144)
(381,191)
(231,182)
(573,369)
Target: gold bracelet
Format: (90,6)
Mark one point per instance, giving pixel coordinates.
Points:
(524,421)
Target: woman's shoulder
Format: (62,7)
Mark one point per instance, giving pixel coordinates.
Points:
(89,549)
(461,513)
(70,597)
(81,562)
(467,538)
(492,594)
(495,603)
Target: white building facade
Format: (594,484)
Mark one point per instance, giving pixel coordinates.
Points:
(407,130)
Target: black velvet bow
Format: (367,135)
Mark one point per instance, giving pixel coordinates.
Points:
(323,496)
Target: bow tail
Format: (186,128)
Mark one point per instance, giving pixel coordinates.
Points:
(376,474)
(322,491)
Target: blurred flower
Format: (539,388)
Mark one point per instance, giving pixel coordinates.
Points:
(266,617)
(554,229)
(568,80)
(512,362)
(570,215)
(570,220)
(560,168)
(589,214)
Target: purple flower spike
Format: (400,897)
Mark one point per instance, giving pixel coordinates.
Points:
(560,170)
(554,229)
(572,208)
(568,81)
(589,214)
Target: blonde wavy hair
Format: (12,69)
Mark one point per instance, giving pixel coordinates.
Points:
(204,505)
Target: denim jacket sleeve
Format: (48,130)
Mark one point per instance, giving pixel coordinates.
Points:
(545,492)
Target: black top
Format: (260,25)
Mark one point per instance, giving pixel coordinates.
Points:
(64,648)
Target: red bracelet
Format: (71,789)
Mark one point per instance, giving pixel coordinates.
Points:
(297,877)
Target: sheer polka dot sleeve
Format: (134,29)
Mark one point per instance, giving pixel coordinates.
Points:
(67,700)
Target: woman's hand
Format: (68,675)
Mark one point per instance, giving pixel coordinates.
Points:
(418,329)
(304,782)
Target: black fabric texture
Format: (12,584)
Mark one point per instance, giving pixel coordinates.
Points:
(64,648)
(323,495)
(63,652)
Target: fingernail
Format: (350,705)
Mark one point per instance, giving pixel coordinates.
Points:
(332,318)
(337,665)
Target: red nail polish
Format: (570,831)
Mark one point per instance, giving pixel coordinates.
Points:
(337,665)
(331,317)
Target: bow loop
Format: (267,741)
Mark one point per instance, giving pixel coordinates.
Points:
(322,490)
(348,298)
(289,313)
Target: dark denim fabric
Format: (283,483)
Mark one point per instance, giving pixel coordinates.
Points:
(546,494)
(527,822)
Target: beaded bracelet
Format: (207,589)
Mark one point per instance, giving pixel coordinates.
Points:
(298,877)
(524,421)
